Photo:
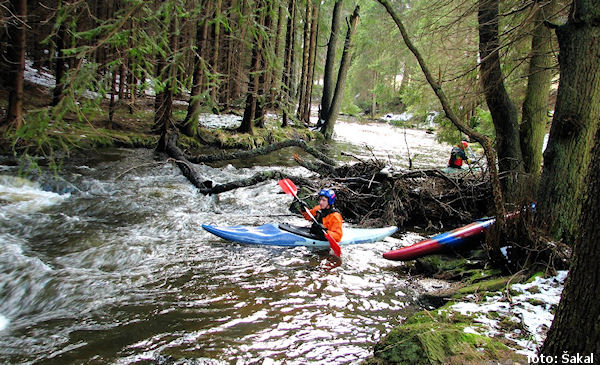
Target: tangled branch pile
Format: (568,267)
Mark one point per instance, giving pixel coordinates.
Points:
(373,194)
(369,193)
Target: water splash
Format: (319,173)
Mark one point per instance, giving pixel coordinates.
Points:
(20,196)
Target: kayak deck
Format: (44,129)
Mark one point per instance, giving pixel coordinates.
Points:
(287,235)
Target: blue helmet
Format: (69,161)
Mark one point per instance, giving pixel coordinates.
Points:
(330,194)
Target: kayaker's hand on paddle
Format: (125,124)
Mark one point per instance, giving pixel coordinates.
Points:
(303,205)
(289,188)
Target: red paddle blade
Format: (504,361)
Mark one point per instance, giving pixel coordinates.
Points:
(335,247)
(288,186)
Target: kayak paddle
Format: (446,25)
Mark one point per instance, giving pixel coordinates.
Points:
(290,188)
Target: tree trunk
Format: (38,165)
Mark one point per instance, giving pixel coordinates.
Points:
(576,325)
(160,95)
(37,34)
(336,103)
(239,73)
(164,118)
(224,94)
(288,65)
(112,103)
(305,53)
(503,111)
(263,42)
(328,75)
(314,32)
(575,122)
(15,57)
(275,92)
(252,112)
(132,81)
(59,73)
(101,16)
(122,77)
(188,126)
(535,106)
(216,45)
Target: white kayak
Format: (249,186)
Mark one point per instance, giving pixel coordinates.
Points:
(288,235)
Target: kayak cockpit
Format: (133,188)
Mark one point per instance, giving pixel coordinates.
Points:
(299,230)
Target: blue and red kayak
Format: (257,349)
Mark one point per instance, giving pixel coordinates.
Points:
(450,239)
(288,235)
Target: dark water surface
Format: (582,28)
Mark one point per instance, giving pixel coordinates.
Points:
(117,269)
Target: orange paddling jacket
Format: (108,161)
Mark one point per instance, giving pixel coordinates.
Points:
(331,219)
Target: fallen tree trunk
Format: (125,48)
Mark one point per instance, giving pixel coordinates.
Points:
(206,186)
(225,156)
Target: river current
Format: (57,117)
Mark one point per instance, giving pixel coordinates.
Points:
(107,263)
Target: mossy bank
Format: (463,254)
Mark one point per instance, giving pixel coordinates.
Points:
(441,334)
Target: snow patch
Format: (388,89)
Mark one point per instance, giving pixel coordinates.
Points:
(41,77)
(220,121)
(529,311)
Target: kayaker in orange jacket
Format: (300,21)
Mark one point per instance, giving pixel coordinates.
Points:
(327,216)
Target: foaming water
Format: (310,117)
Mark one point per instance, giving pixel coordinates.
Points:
(3,322)
(120,271)
(19,195)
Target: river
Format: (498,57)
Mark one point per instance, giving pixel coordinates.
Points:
(112,266)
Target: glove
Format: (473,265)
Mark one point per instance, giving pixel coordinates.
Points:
(317,229)
(303,204)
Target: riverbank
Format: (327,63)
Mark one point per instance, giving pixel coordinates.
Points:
(482,318)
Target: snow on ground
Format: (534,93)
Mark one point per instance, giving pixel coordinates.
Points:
(41,77)
(527,312)
(220,121)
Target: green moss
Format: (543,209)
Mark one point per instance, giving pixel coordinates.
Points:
(493,315)
(441,264)
(491,285)
(437,337)
(509,325)
(482,275)
(513,293)
(539,274)
(262,136)
(533,301)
